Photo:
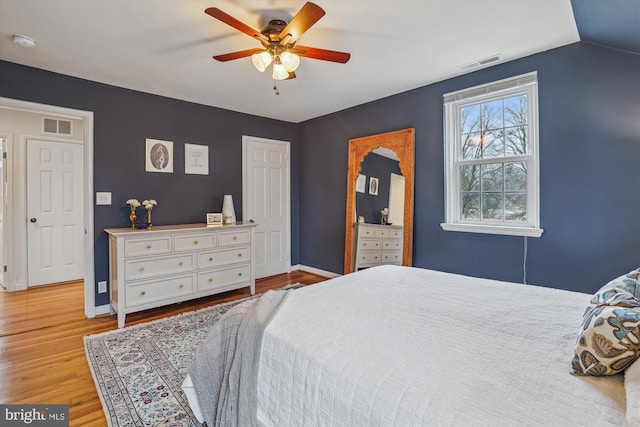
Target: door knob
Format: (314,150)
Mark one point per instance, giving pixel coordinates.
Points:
(33,220)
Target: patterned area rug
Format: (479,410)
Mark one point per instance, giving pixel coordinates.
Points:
(138,370)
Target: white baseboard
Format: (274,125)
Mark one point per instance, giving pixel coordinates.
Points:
(315,270)
(103,309)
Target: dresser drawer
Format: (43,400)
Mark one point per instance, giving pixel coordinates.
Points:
(194,242)
(392,257)
(158,290)
(365,244)
(135,269)
(389,233)
(368,258)
(234,238)
(218,258)
(147,246)
(367,232)
(220,278)
(391,244)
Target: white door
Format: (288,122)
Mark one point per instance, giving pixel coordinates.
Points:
(54,212)
(266,200)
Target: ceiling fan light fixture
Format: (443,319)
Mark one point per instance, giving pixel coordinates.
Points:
(261,60)
(279,72)
(290,61)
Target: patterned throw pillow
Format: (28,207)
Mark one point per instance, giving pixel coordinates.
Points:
(609,339)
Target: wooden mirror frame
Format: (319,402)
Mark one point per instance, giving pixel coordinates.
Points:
(402,142)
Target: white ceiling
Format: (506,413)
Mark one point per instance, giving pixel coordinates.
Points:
(165,47)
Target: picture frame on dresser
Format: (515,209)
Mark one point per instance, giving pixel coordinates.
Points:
(214,219)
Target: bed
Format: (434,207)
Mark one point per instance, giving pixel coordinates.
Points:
(403,346)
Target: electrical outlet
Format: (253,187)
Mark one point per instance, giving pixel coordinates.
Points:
(102,287)
(103,198)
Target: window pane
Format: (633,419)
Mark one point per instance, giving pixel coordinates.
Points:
(515,206)
(492,206)
(516,141)
(470,206)
(515,111)
(472,146)
(515,176)
(470,178)
(493,144)
(470,119)
(491,115)
(492,177)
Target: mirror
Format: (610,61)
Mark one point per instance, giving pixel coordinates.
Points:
(402,144)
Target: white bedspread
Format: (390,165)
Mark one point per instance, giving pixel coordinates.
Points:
(398,346)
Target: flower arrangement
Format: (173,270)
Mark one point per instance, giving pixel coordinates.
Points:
(148,205)
(133,204)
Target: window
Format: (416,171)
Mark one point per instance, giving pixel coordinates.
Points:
(491,150)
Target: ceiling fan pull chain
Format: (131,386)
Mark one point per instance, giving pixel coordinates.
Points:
(275,88)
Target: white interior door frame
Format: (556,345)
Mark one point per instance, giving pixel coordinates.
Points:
(13,222)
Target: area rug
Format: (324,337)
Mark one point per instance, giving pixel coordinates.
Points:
(138,370)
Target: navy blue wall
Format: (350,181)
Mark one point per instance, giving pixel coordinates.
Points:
(589,109)
(589,148)
(123,119)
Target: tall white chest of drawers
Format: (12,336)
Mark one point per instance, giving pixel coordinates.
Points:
(173,263)
(377,245)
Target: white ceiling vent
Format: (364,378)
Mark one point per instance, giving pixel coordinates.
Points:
(481,62)
(57,126)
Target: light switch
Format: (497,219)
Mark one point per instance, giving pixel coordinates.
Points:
(103,198)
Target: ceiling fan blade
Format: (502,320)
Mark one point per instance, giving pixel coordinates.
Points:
(233,22)
(292,75)
(322,54)
(236,55)
(304,19)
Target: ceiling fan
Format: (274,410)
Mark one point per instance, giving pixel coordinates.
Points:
(279,42)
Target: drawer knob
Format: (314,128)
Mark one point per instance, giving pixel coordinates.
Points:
(239,274)
(195,242)
(235,237)
(364,244)
(210,259)
(141,268)
(239,254)
(181,286)
(148,246)
(210,280)
(142,293)
(180,264)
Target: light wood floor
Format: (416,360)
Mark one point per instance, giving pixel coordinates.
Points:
(42,357)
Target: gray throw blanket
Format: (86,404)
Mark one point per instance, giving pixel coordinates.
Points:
(224,370)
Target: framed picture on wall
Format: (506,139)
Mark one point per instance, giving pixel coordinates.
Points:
(159,156)
(373,186)
(196,159)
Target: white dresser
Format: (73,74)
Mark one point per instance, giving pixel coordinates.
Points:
(173,263)
(377,244)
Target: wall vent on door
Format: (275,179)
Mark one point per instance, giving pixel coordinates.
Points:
(57,126)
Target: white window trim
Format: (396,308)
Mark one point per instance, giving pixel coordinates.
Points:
(452,102)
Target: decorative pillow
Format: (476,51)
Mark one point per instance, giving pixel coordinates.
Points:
(627,284)
(609,339)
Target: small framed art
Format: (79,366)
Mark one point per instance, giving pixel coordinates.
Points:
(214,219)
(159,156)
(373,186)
(196,159)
